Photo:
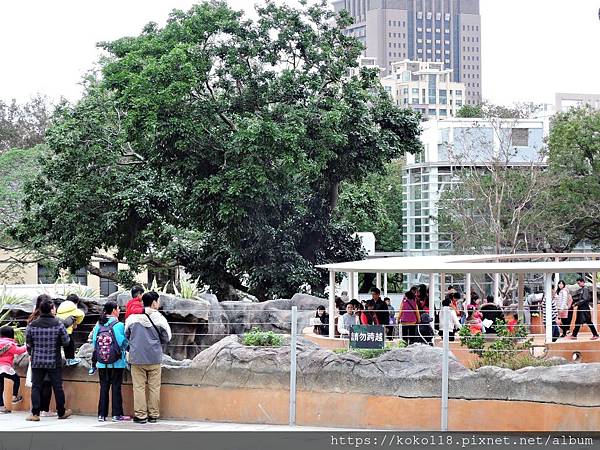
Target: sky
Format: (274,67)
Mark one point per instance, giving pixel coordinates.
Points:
(531,49)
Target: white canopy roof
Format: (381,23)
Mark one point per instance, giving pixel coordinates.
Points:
(522,263)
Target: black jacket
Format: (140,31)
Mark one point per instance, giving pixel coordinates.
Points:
(382,312)
(585,297)
(424,334)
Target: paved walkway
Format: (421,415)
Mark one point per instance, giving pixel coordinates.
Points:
(16,422)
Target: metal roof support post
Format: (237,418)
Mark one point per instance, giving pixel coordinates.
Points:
(521,296)
(556,275)
(385,284)
(432,297)
(497,288)
(442,285)
(595,298)
(350,285)
(378,280)
(548,308)
(467,293)
(331,303)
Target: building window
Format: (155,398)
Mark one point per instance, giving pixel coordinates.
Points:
(428,15)
(438,16)
(419,14)
(80,276)
(45,275)
(520,137)
(447,17)
(107,287)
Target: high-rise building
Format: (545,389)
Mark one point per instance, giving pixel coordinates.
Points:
(446,31)
(426,87)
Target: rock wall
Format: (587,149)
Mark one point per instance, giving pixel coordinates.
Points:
(199,323)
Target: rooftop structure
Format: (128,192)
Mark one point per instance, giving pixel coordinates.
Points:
(445,31)
(426,87)
(565,101)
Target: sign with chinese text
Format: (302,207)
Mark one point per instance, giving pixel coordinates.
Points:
(367,336)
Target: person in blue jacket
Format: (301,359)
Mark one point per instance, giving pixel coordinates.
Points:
(110,343)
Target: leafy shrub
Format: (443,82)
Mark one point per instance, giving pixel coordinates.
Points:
(505,351)
(257,337)
(515,362)
(187,289)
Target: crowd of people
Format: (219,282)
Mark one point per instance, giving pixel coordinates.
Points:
(413,320)
(135,344)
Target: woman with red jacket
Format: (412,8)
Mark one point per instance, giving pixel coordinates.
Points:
(8,350)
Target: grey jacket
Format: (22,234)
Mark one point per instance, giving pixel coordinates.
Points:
(145,343)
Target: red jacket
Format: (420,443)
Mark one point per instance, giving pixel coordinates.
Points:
(8,350)
(135,306)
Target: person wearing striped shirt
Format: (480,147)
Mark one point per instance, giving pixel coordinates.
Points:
(555,320)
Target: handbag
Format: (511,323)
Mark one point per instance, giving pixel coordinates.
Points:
(28,376)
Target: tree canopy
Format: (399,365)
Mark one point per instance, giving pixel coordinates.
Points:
(574,161)
(218,143)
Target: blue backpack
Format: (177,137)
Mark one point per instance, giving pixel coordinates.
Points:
(107,349)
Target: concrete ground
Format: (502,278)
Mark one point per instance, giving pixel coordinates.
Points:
(15,421)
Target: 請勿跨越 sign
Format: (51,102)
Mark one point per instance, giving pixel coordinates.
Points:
(367,336)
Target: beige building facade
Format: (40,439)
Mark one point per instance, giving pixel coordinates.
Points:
(37,273)
(425,87)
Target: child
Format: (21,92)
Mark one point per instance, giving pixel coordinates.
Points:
(474,321)
(8,350)
(512,320)
(135,306)
(71,316)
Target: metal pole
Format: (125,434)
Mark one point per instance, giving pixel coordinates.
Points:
(497,288)
(521,295)
(378,280)
(556,275)
(432,297)
(442,285)
(467,293)
(331,304)
(595,298)
(548,309)
(350,285)
(385,286)
(293,365)
(445,362)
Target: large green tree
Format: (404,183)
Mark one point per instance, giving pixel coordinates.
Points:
(218,143)
(574,161)
(374,204)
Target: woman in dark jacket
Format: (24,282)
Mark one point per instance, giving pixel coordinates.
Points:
(321,314)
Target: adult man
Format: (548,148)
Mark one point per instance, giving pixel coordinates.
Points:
(44,338)
(135,306)
(346,321)
(147,333)
(381,309)
(583,310)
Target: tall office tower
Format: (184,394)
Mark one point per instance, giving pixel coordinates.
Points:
(447,31)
